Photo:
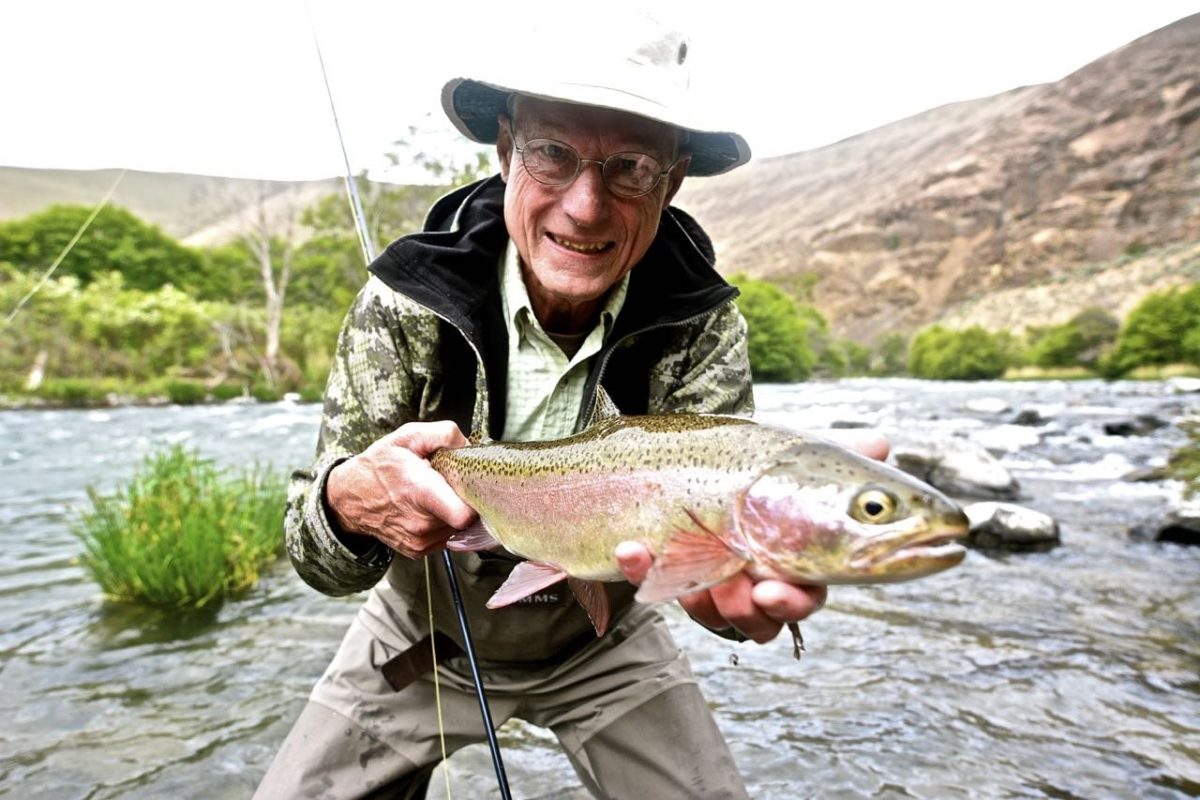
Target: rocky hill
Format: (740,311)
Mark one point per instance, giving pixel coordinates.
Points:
(1047,187)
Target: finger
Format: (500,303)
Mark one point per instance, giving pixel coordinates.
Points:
(436,499)
(786,602)
(734,600)
(424,438)
(634,560)
(870,443)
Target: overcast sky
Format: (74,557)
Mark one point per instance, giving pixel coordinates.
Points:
(232,87)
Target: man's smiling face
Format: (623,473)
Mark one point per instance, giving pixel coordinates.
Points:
(578,240)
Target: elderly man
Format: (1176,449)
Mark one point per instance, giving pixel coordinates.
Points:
(525,293)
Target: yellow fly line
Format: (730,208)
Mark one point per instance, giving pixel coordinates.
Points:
(437,686)
(71,244)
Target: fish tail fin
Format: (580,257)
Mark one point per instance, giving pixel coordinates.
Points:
(594,598)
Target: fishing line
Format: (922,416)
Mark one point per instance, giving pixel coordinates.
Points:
(437,684)
(368,248)
(70,245)
(364,237)
(493,745)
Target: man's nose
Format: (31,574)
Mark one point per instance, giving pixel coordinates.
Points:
(586,199)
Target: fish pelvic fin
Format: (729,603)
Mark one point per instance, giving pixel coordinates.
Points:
(528,577)
(594,598)
(472,538)
(692,559)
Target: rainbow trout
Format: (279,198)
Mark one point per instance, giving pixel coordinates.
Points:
(708,495)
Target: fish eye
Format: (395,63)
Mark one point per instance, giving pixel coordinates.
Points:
(873,505)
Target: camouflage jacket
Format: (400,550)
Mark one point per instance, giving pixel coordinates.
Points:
(425,341)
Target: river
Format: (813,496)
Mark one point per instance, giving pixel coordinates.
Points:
(1073,673)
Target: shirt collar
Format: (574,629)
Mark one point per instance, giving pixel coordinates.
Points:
(518,310)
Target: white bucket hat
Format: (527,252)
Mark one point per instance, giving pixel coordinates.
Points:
(627,62)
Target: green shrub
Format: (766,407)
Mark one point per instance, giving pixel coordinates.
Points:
(265,394)
(228,391)
(968,354)
(179,534)
(778,332)
(186,393)
(76,392)
(1156,331)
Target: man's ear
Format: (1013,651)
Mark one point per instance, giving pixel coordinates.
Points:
(676,176)
(504,145)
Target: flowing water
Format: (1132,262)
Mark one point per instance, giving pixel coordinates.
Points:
(1073,673)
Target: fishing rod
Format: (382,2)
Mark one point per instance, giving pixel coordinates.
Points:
(368,250)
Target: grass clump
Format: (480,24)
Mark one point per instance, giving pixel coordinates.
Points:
(182,535)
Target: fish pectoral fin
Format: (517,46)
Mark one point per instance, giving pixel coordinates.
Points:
(526,578)
(691,560)
(594,598)
(472,538)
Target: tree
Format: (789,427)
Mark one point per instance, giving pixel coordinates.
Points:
(1078,341)
(1156,331)
(968,354)
(116,241)
(778,332)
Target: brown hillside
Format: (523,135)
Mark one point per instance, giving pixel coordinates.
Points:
(911,221)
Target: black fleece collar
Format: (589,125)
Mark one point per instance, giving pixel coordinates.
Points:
(452,268)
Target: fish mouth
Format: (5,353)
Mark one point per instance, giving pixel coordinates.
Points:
(913,546)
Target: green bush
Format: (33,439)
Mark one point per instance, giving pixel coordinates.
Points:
(968,354)
(778,332)
(186,393)
(228,391)
(180,535)
(1079,341)
(76,392)
(1156,332)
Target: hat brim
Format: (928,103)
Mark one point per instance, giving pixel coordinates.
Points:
(473,106)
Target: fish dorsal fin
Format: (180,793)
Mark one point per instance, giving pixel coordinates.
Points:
(603,408)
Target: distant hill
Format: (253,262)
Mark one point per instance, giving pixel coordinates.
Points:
(1044,186)
(1009,210)
(197,209)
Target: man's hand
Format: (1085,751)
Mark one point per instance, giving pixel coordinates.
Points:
(758,610)
(390,492)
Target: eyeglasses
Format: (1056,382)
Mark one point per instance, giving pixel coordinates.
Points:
(555,163)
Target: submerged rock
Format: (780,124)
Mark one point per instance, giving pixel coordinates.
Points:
(1007,526)
(959,468)
(1029,416)
(987,405)
(1140,425)
(1181,525)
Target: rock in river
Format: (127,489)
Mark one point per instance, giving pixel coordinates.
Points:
(958,468)
(1006,526)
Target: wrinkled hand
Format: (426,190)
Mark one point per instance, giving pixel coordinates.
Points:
(756,609)
(390,492)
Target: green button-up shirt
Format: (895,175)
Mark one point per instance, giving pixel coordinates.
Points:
(545,384)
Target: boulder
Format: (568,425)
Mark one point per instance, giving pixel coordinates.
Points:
(1006,526)
(1029,416)
(1140,425)
(1180,525)
(958,467)
(987,405)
